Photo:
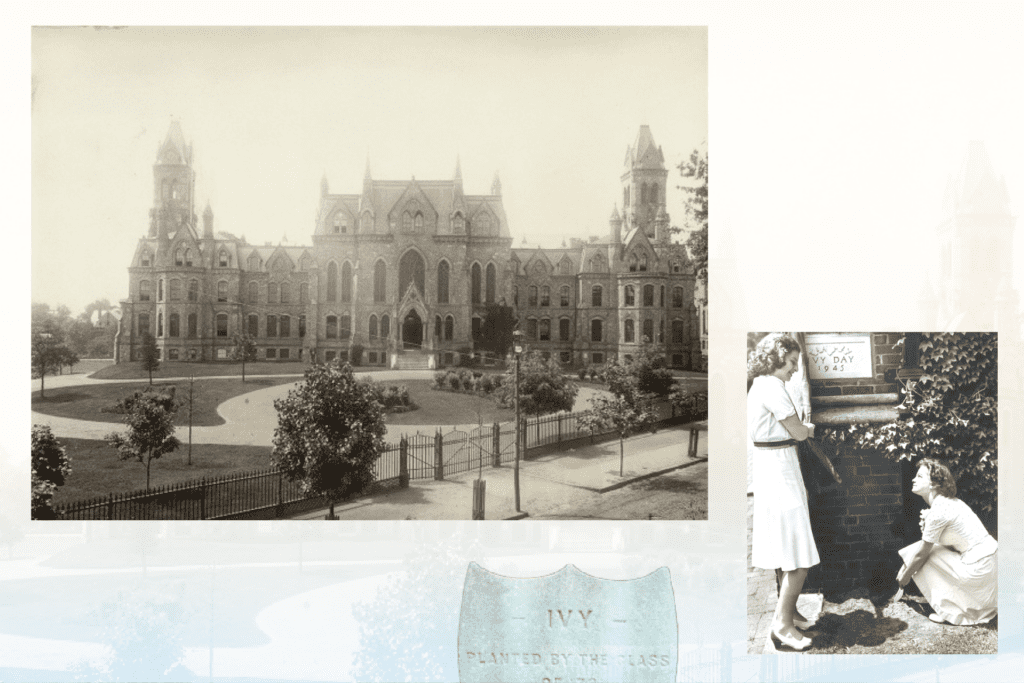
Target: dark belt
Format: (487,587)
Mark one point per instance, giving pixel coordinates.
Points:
(775,444)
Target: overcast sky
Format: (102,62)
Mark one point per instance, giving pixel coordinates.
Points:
(271,110)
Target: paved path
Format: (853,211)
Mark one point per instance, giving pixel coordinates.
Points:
(250,418)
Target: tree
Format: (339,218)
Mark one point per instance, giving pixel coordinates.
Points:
(330,432)
(496,330)
(692,405)
(50,467)
(949,414)
(49,353)
(647,367)
(543,388)
(148,355)
(149,417)
(626,413)
(244,350)
(695,171)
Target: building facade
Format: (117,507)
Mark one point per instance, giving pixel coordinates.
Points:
(407,270)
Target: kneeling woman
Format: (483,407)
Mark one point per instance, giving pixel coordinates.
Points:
(954,564)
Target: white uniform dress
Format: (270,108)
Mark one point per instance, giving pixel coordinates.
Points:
(959,578)
(782,537)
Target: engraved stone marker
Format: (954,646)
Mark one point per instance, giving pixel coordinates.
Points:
(568,626)
(839,355)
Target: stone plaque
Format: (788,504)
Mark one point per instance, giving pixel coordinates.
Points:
(567,627)
(839,355)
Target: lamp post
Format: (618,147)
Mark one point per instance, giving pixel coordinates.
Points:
(517,351)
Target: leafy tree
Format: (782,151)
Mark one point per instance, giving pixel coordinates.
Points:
(543,388)
(330,432)
(625,413)
(647,367)
(149,417)
(949,414)
(49,354)
(148,356)
(50,467)
(496,330)
(695,171)
(692,404)
(244,350)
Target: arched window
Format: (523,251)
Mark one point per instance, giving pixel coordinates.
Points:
(332,281)
(188,257)
(661,297)
(160,289)
(380,281)
(531,328)
(372,331)
(224,259)
(254,262)
(438,326)
(146,259)
(516,266)
(385,327)
(475,283)
(254,326)
(678,331)
(286,325)
(193,326)
(346,282)
(545,296)
(145,290)
(254,296)
(596,329)
(286,293)
(302,326)
(563,329)
(648,295)
(515,295)
(632,262)
(643,263)
(648,331)
(340,223)
(417,222)
(271,325)
(174,325)
(332,327)
(304,293)
(490,283)
(654,194)
(628,332)
(563,295)
(272,297)
(143,323)
(596,295)
(565,267)
(597,264)
(532,296)
(629,296)
(222,291)
(676,268)
(661,331)
(222,324)
(476,328)
(459,223)
(545,329)
(179,256)
(449,328)
(442,282)
(677,297)
(193,290)
(406,222)
(411,269)
(346,327)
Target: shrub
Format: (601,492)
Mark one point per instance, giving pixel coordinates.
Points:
(466,357)
(357,354)
(439,379)
(497,381)
(486,384)
(581,372)
(454,381)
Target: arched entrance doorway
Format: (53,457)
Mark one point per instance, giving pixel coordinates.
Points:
(412,331)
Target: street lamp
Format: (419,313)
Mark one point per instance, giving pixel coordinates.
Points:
(517,352)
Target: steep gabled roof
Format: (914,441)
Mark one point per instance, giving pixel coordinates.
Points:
(976,189)
(644,153)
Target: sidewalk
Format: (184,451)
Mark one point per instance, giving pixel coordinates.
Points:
(557,478)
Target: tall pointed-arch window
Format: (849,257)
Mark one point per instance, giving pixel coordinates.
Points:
(385,327)
(643,263)
(475,284)
(677,297)
(286,325)
(286,293)
(193,327)
(596,329)
(222,324)
(179,257)
(143,323)
(563,329)
(491,285)
(654,194)
(372,331)
(332,327)
(411,269)
(648,295)
(633,261)
(406,222)
(222,291)
(417,222)
(545,296)
(188,257)
(193,290)
(160,289)
(159,324)
(661,297)
(175,290)
(346,282)
(145,290)
(442,282)
(224,259)
(380,281)
(254,326)
(438,326)
(532,294)
(563,295)
(648,331)
(459,223)
(629,295)
(332,281)
(272,297)
(596,293)
(174,325)
(449,328)
(628,332)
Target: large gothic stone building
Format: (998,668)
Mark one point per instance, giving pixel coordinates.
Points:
(406,269)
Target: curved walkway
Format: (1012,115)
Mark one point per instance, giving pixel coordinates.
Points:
(250,419)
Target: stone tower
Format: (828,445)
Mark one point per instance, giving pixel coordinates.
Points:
(644,184)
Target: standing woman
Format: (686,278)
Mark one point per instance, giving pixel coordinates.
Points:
(954,564)
(782,537)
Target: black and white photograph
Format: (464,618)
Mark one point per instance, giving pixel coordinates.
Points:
(872,489)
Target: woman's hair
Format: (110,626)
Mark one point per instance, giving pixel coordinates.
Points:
(770,354)
(942,478)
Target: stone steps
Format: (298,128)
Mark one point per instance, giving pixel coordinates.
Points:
(413,360)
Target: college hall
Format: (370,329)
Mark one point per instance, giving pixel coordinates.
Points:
(406,269)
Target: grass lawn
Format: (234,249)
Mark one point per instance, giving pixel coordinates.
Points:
(446,407)
(96,470)
(87,402)
(221,369)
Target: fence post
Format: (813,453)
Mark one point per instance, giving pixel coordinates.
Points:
(110,506)
(496,441)
(403,463)
(438,456)
(280,495)
(202,498)
(560,428)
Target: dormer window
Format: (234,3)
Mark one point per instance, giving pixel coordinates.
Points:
(676,268)
(632,263)
(146,259)
(459,223)
(340,224)
(179,257)
(188,257)
(406,222)
(484,224)
(367,222)
(418,222)
(224,259)
(643,263)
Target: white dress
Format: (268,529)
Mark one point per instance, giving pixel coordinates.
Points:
(959,579)
(782,537)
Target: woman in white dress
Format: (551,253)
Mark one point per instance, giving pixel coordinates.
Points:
(782,537)
(954,564)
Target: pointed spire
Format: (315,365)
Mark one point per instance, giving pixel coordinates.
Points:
(615,213)
(324,188)
(496,185)
(208,221)
(976,189)
(174,141)
(563,243)
(458,169)
(366,175)
(640,153)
